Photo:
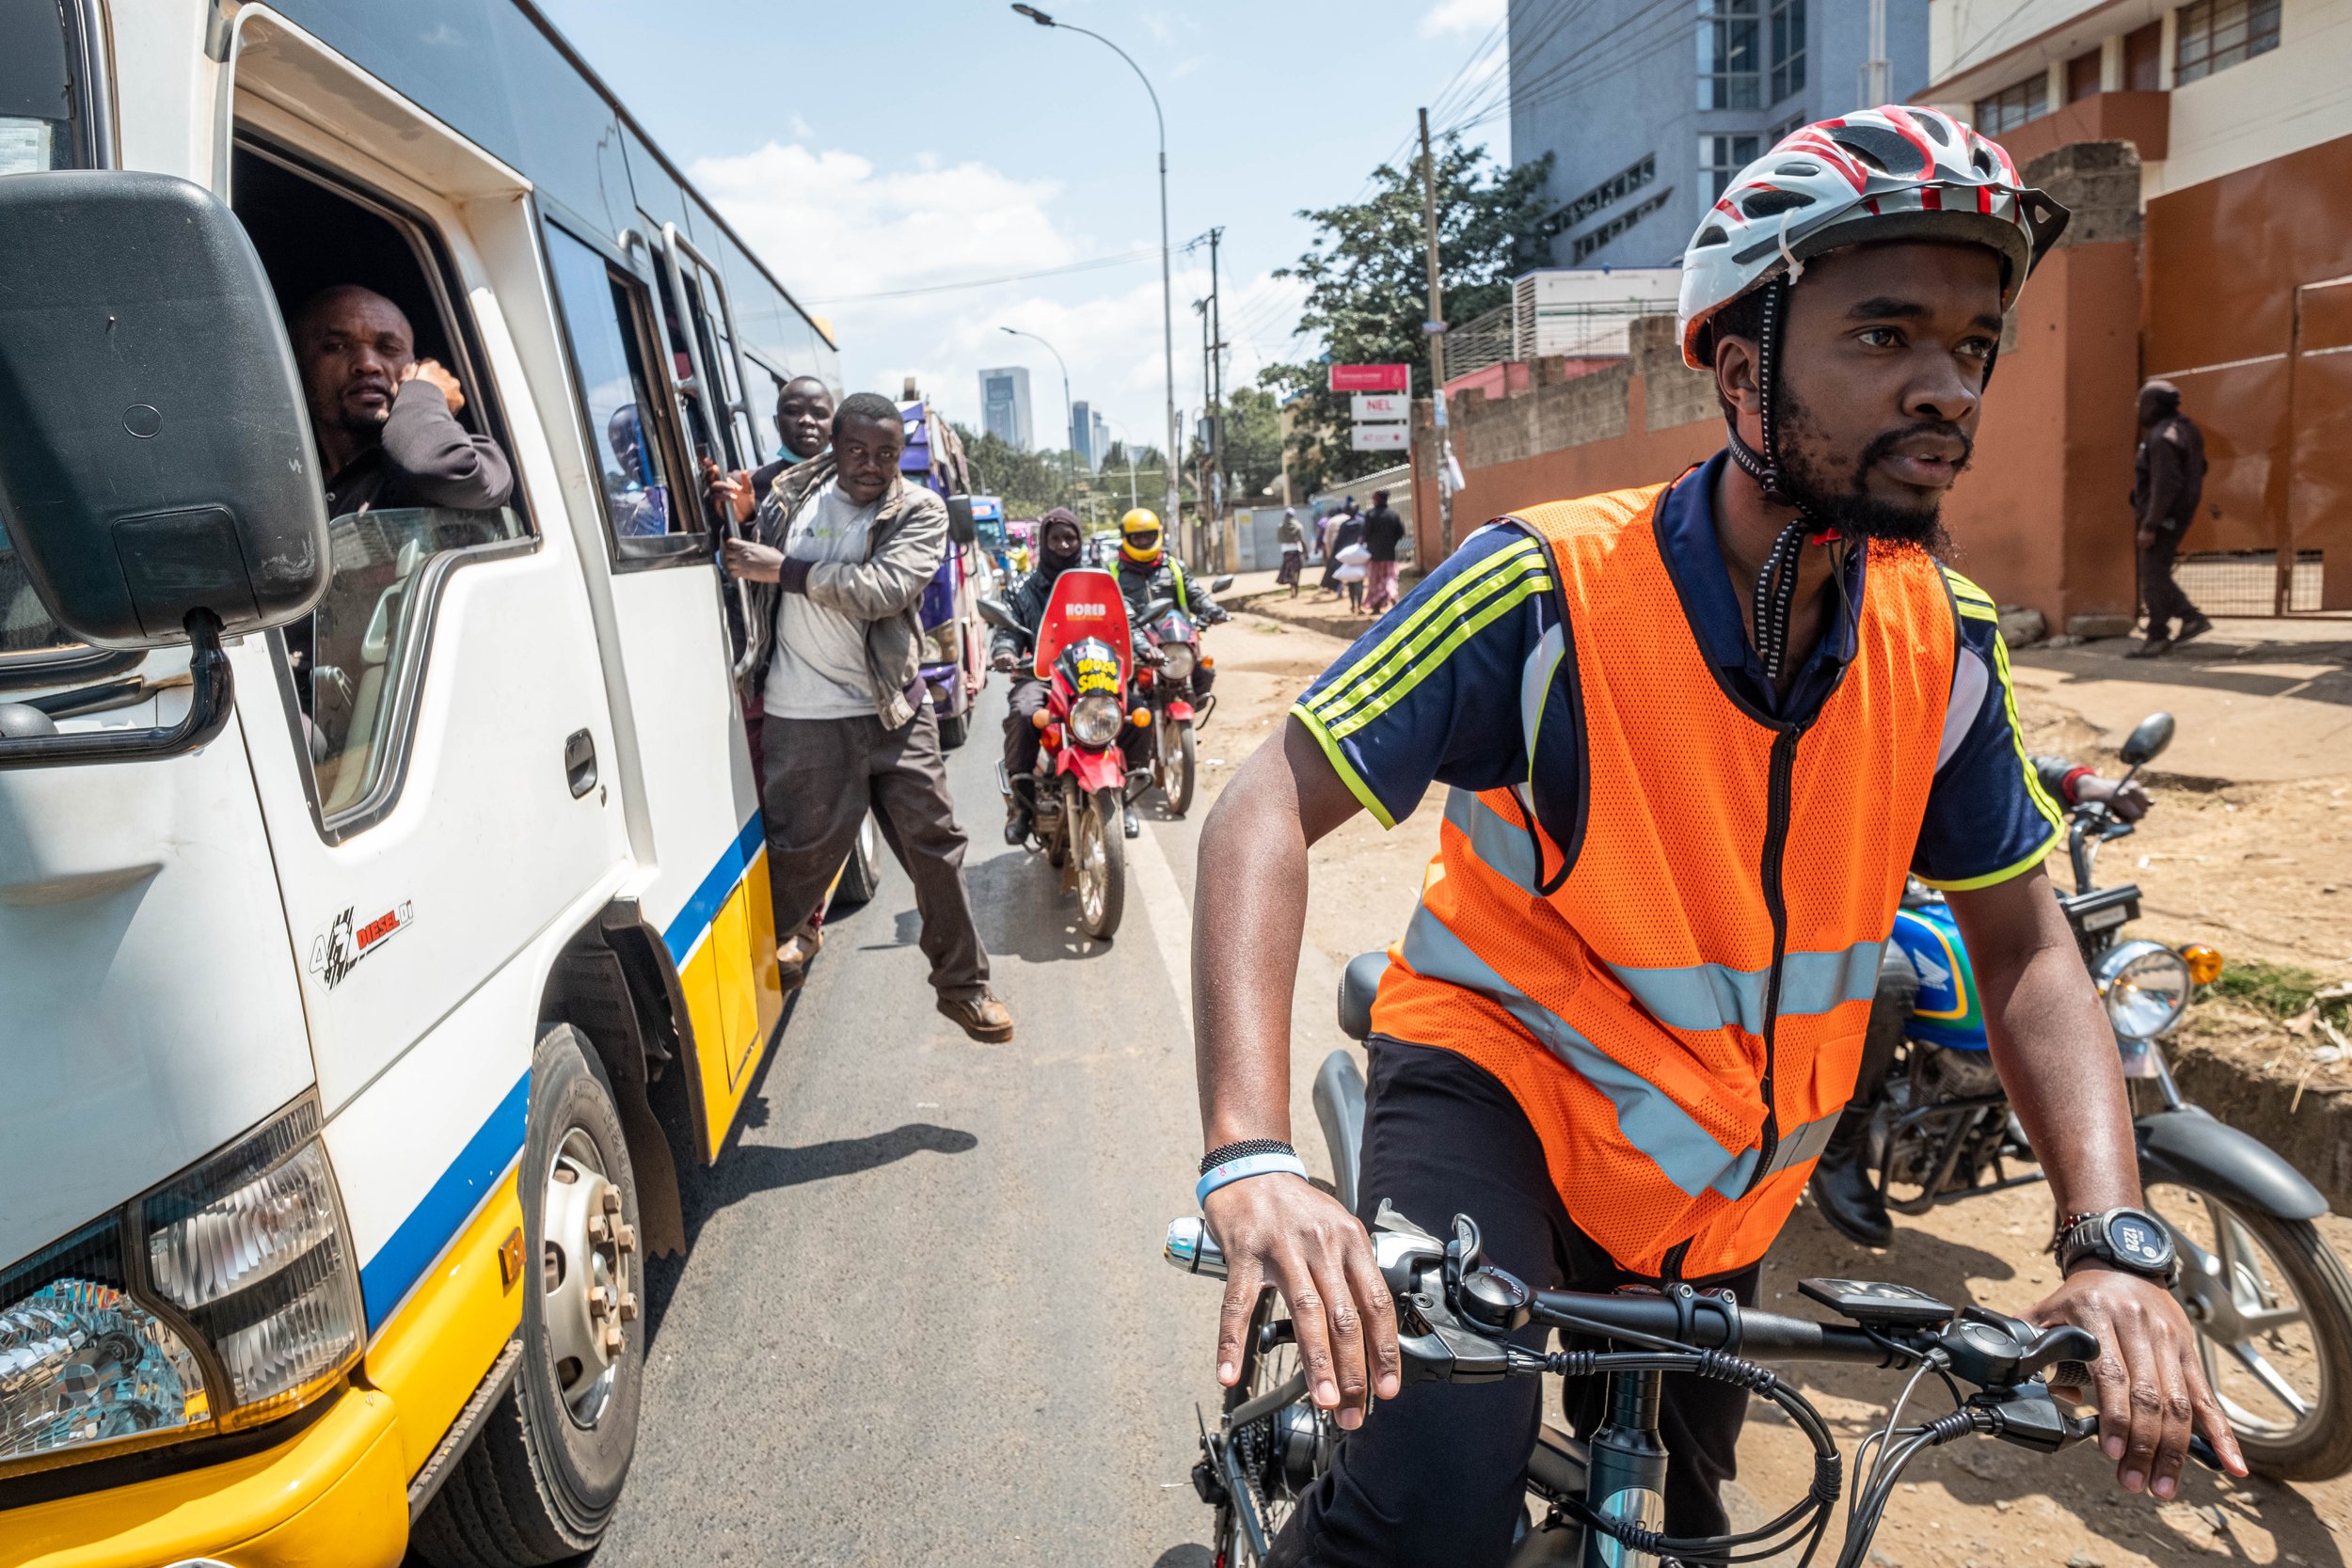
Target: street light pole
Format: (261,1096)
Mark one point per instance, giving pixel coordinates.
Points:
(1068,474)
(1168,287)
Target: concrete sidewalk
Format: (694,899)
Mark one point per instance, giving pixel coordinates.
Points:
(2257,700)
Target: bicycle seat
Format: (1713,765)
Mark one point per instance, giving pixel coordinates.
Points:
(1358,983)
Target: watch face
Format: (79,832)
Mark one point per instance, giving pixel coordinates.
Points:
(2137,1238)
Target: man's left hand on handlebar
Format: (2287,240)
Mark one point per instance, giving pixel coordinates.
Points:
(2128,800)
(2151,1389)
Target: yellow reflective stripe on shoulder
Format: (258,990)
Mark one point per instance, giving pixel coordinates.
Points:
(1340,765)
(1965,589)
(2015,868)
(1496,587)
(2041,796)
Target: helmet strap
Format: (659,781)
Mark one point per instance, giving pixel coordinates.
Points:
(1764,466)
(1773,603)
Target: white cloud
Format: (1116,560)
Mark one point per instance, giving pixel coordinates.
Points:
(835,225)
(1461,16)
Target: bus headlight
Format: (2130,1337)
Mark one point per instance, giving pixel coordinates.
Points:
(1179,658)
(82,1363)
(2145,985)
(245,1255)
(943,645)
(1095,718)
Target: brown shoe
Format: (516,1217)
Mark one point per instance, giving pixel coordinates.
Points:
(792,956)
(981,1017)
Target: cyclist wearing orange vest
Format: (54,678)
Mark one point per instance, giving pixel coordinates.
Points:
(1693,737)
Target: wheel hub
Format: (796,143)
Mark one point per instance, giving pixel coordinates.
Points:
(586,1276)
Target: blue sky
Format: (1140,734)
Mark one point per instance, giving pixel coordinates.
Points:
(886,148)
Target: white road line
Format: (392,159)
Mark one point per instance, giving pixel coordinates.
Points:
(1171,918)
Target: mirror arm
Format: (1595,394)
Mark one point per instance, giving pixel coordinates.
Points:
(212,698)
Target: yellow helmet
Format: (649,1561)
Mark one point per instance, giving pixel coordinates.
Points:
(1139,536)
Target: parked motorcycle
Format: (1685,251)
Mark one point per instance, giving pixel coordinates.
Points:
(1076,796)
(1167,692)
(2272,1304)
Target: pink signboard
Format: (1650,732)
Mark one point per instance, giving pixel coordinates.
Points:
(1372,378)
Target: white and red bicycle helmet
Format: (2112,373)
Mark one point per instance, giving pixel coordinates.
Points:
(1890,173)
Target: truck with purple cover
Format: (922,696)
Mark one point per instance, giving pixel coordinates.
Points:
(955,645)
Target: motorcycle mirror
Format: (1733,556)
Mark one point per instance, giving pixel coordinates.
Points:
(995,614)
(2153,736)
(1219,584)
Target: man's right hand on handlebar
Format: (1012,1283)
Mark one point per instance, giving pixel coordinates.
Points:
(1280,1231)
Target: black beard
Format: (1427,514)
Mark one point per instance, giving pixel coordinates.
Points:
(1854,512)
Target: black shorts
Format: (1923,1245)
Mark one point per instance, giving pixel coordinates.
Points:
(1437,1474)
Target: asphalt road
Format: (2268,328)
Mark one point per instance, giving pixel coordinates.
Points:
(923,1318)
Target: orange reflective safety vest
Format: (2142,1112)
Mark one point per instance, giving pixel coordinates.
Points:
(1676,997)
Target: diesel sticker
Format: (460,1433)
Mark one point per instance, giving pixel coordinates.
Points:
(338,951)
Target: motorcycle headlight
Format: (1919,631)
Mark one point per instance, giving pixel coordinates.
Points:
(2145,985)
(1095,718)
(1178,656)
(246,1256)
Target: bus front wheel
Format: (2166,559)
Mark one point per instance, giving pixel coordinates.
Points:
(539,1483)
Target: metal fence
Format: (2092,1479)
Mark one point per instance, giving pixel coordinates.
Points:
(2246,582)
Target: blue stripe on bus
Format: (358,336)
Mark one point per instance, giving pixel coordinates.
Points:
(703,907)
(401,1260)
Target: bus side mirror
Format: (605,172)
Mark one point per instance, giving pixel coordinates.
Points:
(157,480)
(960,525)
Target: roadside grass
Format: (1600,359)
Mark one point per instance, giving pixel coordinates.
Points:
(2282,991)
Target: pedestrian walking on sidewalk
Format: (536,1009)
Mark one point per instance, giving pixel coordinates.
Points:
(1384,533)
(845,548)
(1293,542)
(2168,481)
(1346,528)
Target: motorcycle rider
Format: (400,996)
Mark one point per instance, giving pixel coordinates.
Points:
(1694,734)
(1060,546)
(1844,1186)
(1148,571)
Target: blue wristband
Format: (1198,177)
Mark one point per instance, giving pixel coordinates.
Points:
(1246,1167)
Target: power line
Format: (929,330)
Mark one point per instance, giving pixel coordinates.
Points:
(1127,259)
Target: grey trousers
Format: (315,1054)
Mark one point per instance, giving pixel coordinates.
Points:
(821,776)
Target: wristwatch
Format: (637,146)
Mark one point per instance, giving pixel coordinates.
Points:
(2127,1238)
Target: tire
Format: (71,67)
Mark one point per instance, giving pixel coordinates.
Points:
(1308,1433)
(1101,847)
(2235,1259)
(540,1480)
(954,730)
(861,874)
(1177,770)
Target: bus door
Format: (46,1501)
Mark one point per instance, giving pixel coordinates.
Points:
(706,886)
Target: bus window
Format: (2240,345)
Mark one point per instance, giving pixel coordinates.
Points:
(38,89)
(602,317)
(355,666)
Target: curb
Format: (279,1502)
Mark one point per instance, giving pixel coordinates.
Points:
(2314,1134)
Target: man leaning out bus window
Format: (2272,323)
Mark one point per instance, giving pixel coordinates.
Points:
(385,421)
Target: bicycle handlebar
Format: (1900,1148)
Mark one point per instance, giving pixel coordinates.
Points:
(1699,1320)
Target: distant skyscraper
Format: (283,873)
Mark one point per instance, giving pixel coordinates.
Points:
(1083,423)
(1099,441)
(1005,406)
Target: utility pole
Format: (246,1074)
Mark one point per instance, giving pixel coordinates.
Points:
(1208,427)
(1874,70)
(1211,557)
(1435,329)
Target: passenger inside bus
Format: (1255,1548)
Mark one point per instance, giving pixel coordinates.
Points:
(386,421)
(408,454)
(640,501)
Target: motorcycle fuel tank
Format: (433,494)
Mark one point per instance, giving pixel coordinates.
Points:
(1949,1012)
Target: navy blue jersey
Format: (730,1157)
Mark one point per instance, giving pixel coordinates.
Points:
(1456,686)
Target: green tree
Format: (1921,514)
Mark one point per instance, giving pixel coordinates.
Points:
(1028,482)
(1368,287)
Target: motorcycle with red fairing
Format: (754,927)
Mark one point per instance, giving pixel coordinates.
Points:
(1076,794)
